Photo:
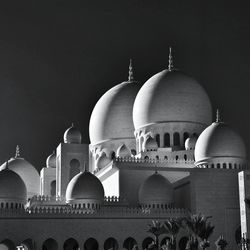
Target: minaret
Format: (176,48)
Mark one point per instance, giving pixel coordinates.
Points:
(131,72)
(170,60)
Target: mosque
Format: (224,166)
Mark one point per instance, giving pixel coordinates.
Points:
(155,153)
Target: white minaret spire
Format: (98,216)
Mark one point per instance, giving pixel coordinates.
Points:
(131,71)
(170,60)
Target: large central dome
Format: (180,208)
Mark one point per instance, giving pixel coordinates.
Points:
(171,96)
(112,115)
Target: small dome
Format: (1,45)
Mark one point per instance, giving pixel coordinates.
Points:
(85,188)
(12,187)
(102,161)
(72,135)
(123,151)
(171,96)
(51,160)
(156,189)
(190,142)
(219,141)
(27,172)
(112,115)
(150,144)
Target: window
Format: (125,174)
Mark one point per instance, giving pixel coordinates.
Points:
(176,139)
(166,140)
(157,138)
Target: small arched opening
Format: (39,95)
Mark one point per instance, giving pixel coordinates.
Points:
(112,155)
(164,241)
(176,139)
(147,242)
(50,244)
(70,244)
(111,243)
(53,188)
(185,157)
(183,243)
(185,136)
(166,140)
(91,244)
(130,244)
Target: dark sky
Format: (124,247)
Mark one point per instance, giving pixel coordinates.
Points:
(58,57)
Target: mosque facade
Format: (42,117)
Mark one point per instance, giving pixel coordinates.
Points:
(155,154)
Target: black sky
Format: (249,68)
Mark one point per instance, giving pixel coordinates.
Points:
(58,57)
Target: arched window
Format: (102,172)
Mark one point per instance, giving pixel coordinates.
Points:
(218,165)
(157,157)
(112,155)
(70,244)
(130,244)
(176,139)
(212,165)
(111,243)
(53,188)
(224,165)
(91,244)
(147,242)
(166,140)
(133,151)
(28,244)
(165,158)
(185,136)
(183,243)
(50,244)
(185,157)
(230,165)
(157,138)
(164,241)
(146,158)
(176,157)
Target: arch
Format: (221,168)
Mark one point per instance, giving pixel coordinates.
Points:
(28,244)
(218,165)
(70,244)
(166,140)
(112,155)
(146,242)
(74,168)
(50,244)
(7,245)
(185,136)
(111,243)
(165,240)
(176,139)
(212,165)
(146,158)
(157,138)
(230,165)
(130,244)
(157,157)
(183,243)
(165,157)
(176,157)
(133,152)
(185,157)
(53,188)
(91,244)
(224,165)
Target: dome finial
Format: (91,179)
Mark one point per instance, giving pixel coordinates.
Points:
(218,118)
(170,60)
(131,71)
(17,151)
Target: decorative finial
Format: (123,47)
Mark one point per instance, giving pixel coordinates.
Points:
(218,116)
(130,72)
(17,151)
(170,60)
(7,165)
